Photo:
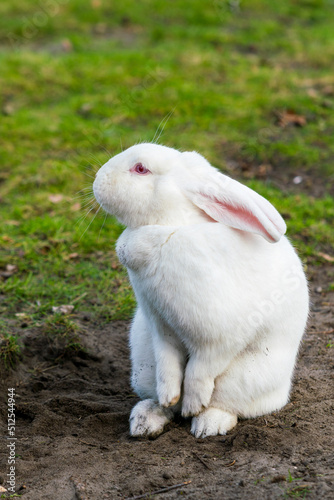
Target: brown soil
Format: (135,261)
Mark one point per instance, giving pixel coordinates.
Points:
(73,437)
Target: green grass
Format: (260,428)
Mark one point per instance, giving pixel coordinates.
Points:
(62,335)
(10,348)
(80,80)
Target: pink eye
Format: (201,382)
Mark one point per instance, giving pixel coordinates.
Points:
(140,169)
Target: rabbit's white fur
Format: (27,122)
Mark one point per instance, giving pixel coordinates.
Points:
(221,311)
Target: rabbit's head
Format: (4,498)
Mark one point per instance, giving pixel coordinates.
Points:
(152,184)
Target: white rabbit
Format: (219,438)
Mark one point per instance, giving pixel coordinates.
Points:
(221,310)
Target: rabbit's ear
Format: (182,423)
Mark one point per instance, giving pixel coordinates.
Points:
(226,200)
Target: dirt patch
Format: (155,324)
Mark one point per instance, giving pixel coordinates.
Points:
(73,437)
(281,172)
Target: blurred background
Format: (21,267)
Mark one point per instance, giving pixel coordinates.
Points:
(250,85)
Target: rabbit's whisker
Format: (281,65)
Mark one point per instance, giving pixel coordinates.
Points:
(89,175)
(84,216)
(83,197)
(95,159)
(84,194)
(97,211)
(104,221)
(88,202)
(84,189)
(161,127)
(106,150)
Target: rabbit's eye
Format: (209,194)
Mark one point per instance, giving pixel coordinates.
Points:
(140,169)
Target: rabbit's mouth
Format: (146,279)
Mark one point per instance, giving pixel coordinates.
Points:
(101,196)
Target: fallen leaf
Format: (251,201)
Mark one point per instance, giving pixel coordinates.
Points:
(56,198)
(64,309)
(10,270)
(8,109)
(312,93)
(328,90)
(7,238)
(21,315)
(75,207)
(70,256)
(85,109)
(2,489)
(288,117)
(12,222)
(325,256)
(73,255)
(43,249)
(263,170)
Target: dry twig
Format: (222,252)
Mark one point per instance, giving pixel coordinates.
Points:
(202,461)
(89,444)
(163,490)
(230,465)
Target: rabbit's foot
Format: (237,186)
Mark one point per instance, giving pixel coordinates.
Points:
(169,393)
(197,396)
(148,418)
(212,422)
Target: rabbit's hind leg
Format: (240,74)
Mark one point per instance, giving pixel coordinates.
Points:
(269,402)
(256,383)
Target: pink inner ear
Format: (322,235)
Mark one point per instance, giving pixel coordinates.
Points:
(238,217)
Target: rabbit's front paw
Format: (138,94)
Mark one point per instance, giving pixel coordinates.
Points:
(169,391)
(212,422)
(149,419)
(197,396)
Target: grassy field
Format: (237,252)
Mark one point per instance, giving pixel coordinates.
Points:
(250,85)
